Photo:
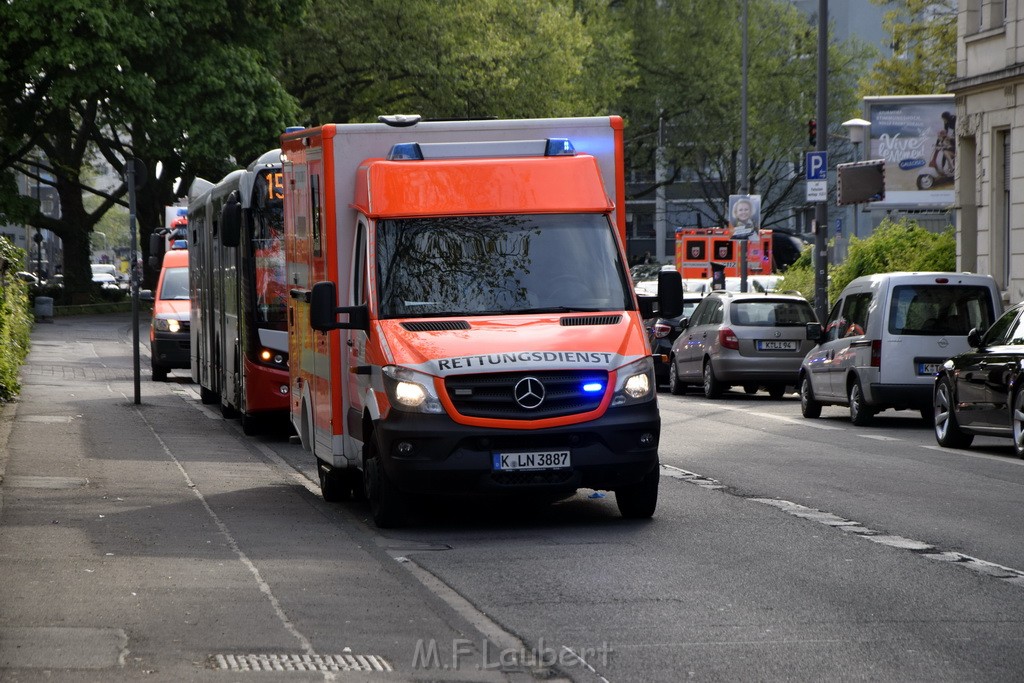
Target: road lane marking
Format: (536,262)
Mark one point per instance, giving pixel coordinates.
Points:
(813,424)
(304,642)
(969,454)
(926,550)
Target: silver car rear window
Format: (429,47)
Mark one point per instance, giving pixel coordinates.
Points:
(771,313)
(937,310)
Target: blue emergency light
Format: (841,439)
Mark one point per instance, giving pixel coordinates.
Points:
(593,387)
(414,151)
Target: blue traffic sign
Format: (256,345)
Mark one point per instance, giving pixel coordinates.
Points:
(817,166)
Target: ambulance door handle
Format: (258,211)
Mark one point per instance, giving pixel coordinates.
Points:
(350,342)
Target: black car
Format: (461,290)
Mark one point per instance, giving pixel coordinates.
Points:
(662,332)
(981,391)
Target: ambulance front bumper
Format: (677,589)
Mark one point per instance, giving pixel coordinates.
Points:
(431,454)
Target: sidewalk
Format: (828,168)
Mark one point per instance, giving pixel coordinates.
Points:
(156,541)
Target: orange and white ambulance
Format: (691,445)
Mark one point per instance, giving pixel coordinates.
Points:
(461,319)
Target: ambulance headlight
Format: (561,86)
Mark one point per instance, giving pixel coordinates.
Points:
(634,383)
(166,324)
(411,391)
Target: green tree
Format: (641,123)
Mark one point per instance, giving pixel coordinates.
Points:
(352,61)
(901,245)
(922,34)
(188,84)
(690,59)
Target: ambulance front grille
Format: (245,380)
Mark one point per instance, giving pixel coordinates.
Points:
(494,395)
(435,325)
(591,320)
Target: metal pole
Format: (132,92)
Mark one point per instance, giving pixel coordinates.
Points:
(134,279)
(660,205)
(744,150)
(821,209)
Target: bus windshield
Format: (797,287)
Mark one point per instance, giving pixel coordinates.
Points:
(268,250)
(492,265)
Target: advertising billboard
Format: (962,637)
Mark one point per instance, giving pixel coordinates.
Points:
(915,135)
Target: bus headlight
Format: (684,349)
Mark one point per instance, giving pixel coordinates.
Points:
(411,391)
(634,383)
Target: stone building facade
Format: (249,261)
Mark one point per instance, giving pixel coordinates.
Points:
(989,90)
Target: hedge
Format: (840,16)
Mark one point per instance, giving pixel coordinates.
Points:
(15,319)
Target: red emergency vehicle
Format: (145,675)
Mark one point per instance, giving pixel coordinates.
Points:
(461,319)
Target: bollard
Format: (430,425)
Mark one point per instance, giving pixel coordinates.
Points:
(44,309)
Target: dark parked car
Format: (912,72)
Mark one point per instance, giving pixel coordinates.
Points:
(981,391)
(663,331)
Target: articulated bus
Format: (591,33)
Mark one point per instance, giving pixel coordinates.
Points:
(238,292)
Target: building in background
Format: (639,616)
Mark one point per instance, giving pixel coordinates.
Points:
(44,251)
(989,90)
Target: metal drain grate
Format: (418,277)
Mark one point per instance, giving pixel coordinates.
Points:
(299,663)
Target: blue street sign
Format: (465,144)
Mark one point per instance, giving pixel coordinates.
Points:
(817,166)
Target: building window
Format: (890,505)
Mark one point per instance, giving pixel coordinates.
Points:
(992,14)
(1001,208)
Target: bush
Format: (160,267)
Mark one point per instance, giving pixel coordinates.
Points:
(893,246)
(15,320)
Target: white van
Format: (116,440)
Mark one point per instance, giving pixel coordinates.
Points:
(886,337)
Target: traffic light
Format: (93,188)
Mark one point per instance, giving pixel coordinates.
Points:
(812,132)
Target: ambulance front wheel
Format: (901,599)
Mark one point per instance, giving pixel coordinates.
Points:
(338,486)
(638,501)
(386,504)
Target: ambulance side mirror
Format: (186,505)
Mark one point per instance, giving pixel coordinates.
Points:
(323,314)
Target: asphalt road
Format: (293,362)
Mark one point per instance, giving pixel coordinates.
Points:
(153,541)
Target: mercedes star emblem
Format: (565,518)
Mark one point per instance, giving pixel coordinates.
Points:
(529,392)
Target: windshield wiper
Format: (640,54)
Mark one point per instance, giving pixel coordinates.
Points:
(560,309)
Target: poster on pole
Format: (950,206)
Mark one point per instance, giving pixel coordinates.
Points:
(916,136)
(745,216)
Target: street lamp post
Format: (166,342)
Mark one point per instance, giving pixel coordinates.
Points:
(858,130)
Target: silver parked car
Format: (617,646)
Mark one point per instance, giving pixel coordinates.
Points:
(753,340)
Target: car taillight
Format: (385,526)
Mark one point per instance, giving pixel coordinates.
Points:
(876,353)
(727,338)
(661,330)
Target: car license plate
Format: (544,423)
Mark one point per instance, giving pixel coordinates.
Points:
(536,460)
(928,368)
(776,345)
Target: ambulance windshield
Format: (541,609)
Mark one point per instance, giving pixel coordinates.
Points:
(494,265)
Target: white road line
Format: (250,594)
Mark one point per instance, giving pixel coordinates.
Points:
(813,424)
(304,642)
(879,437)
(969,454)
(926,550)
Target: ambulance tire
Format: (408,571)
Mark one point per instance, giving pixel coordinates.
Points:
(386,504)
(638,501)
(207,396)
(335,485)
(159,373)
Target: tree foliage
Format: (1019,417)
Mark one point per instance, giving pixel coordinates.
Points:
(185,84)
(352,61)
(690,58)
(922,34)
(15,321)
(901,245)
